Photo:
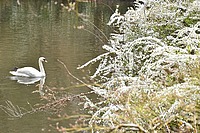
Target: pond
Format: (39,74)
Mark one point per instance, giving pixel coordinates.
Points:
(30,29)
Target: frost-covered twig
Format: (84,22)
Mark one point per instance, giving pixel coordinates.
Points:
(94,60)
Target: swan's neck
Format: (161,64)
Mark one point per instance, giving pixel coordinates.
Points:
(41,68)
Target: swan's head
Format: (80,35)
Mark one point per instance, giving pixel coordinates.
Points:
(42,59)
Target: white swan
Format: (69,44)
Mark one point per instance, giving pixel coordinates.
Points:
(30,71)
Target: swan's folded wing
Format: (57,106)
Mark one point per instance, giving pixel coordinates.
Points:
(28,72)
(15,73)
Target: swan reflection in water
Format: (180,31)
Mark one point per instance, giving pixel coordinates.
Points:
(29,81)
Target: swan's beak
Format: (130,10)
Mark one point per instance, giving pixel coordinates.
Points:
(45,60)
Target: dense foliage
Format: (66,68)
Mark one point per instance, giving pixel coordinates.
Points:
(149,72)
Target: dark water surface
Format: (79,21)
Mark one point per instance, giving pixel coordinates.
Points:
(44,28)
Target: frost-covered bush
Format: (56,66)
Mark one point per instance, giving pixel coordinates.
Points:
(124,60)
(147,71)
(129,52)
(167,62)
(155,18)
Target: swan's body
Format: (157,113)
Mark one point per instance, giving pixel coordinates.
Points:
(26,80)
(30,71)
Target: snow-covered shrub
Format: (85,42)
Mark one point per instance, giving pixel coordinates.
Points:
(129,52)
(146,70)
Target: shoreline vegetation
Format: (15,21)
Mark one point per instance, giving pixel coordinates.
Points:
(148,80)
(149,77)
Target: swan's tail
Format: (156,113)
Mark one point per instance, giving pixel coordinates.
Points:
(13,73)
